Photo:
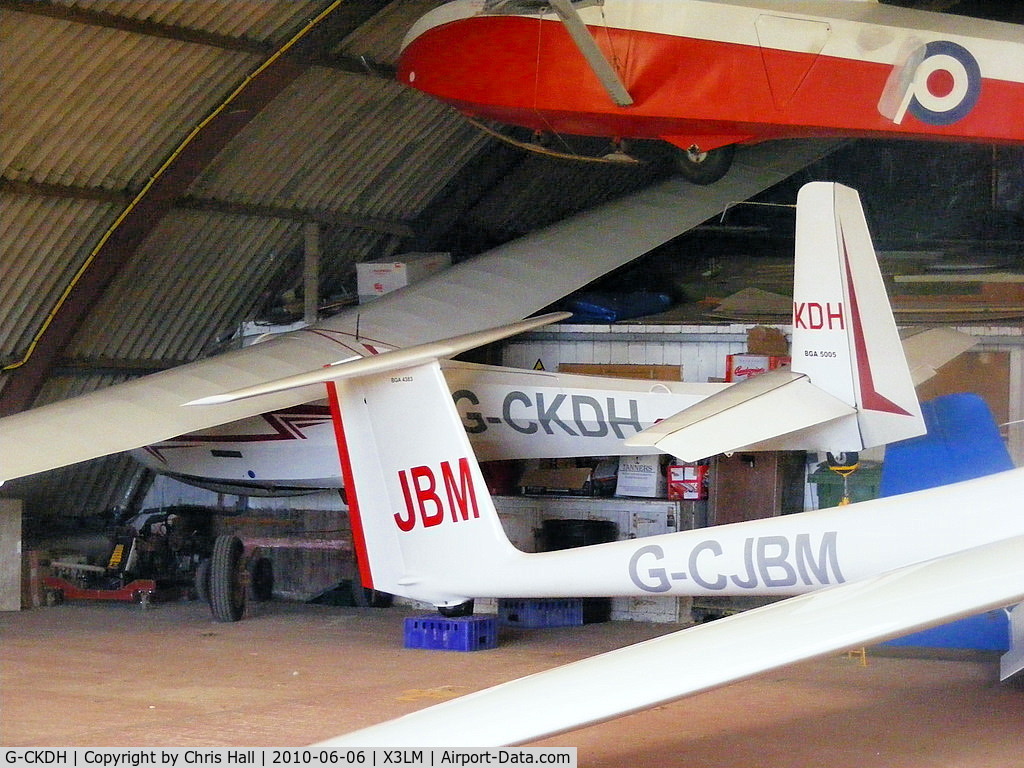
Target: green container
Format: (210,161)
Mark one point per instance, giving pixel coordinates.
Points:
(861,485)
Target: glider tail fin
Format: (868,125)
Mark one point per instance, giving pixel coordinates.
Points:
(845,338)
(849,386)
(423,522)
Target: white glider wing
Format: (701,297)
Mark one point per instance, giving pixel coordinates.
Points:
(930,349)
(712,655)
(387,361)
(493,289)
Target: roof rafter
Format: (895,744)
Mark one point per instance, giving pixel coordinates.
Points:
(301,215)
(325,216)
(108,20)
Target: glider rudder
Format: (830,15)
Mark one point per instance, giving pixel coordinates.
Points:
(423,521)
(844,334)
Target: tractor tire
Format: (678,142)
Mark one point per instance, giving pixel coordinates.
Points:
(227,582)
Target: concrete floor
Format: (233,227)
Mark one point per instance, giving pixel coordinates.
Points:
(114,675)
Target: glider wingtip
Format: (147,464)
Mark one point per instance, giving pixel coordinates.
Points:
(209,400)
(633,442)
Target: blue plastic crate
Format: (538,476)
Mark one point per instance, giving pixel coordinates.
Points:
(462,633)
(540,612)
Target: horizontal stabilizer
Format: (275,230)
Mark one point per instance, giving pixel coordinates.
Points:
(929,350)
(388,361)
(754,410)
(715,654)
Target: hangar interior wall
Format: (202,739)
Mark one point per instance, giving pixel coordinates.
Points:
(994,368)
(10,555)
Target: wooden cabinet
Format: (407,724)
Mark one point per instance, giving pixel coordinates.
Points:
(755,484)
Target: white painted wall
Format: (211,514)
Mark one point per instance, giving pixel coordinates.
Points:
(701,351)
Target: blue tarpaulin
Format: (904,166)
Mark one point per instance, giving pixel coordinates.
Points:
(610,307)
(963,442)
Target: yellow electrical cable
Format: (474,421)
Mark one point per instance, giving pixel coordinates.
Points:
(159,172)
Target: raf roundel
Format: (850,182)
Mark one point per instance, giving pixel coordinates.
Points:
(946,84)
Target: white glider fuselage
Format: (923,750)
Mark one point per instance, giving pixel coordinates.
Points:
(420,498)
(416,493)
(507,413)
(850,388)
(425,527)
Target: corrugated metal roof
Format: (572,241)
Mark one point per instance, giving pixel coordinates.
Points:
(262,21)
(336,143)
(542,188)
(99,95)
(379,38)
(82,490)
(43,242)
(101,108)
(194,279)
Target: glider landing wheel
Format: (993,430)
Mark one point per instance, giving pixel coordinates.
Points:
(227,579)
(704,167)
(455,611)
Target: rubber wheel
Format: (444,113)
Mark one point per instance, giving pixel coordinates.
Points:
(201,582)
(705,167)
(227,587)
(848,459)
(261,579)
(455,611)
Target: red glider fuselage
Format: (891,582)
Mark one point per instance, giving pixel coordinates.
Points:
(704,73)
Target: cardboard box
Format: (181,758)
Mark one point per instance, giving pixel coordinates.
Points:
(640,476)
(567,480)
(762,340)
(743,366)
(376,278)
(625,371)
(687,481)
